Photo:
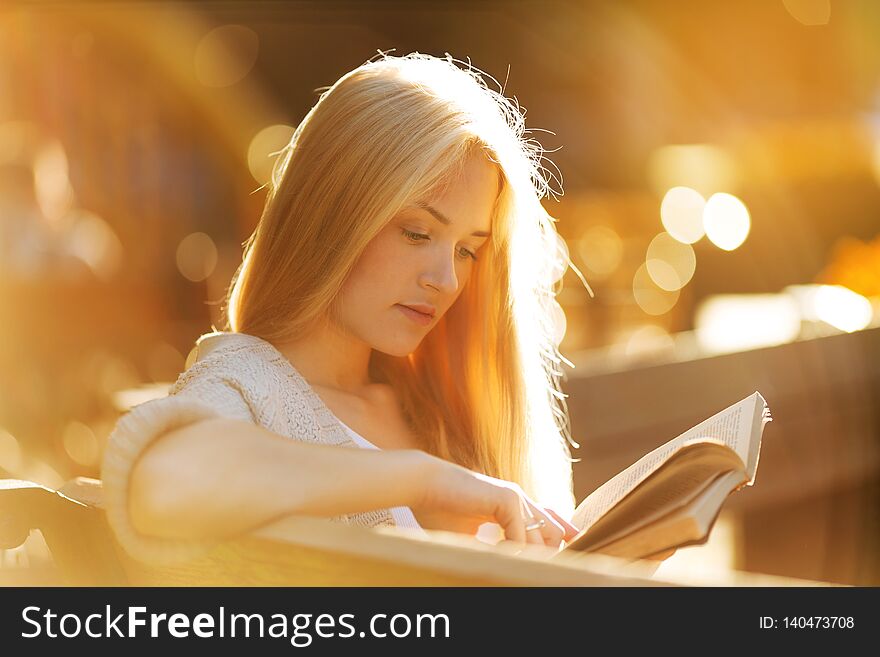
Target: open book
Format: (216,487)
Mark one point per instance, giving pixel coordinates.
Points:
(671,497)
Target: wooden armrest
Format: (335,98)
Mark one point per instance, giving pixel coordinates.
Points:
(72,524)
(305,551)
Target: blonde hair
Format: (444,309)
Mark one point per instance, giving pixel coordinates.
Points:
(482,388)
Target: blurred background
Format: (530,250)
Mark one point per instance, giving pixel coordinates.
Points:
(721,173)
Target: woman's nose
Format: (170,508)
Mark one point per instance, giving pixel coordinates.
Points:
(441,274)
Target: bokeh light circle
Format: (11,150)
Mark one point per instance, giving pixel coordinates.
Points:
(726,220)
(681,213)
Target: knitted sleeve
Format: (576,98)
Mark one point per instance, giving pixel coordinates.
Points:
(196,396)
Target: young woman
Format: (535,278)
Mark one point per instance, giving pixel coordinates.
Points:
(397,295)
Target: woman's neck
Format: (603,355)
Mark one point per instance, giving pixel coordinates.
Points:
(331,359)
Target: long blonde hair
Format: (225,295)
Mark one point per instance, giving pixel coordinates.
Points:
(482,388)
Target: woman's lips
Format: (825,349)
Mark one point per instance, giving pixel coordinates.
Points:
(415,315)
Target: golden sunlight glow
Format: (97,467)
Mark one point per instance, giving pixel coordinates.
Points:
(196,257)
(263,149)
(10,453)
(670,263)
(652,299)
(125,400)
(559,322)
(726,220)
(842,308)
(648,340)
(225,55)
(51,182)
(558,266)
(702,167)
(715,560)
(835,305)
(732,322)
(93,241)
(526,308)
(436,77)
(682,214)
(809,12)
(601,250)
(80,443)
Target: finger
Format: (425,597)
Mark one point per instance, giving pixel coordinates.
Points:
(530,515)
(570,530)
(533,536)
(553,531)
(549,533)
(509,515)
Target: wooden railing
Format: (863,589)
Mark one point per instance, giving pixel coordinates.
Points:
(813,511)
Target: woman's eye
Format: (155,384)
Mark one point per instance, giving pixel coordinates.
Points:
(468,254)
(420,237)
(415,237)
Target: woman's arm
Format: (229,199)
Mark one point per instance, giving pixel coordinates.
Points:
(217,478)
(221,477)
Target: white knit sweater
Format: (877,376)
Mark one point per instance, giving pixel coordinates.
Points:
(234,376)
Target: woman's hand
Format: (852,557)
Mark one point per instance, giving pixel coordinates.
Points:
(453,498)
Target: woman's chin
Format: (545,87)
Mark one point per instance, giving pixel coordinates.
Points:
(399,349)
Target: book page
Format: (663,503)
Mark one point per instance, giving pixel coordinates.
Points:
(733,426)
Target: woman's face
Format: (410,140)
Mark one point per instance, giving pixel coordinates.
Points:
(413,270)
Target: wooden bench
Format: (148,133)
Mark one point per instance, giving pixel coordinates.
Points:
(302,551)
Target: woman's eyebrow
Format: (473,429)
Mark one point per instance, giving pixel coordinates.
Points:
(443,219)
